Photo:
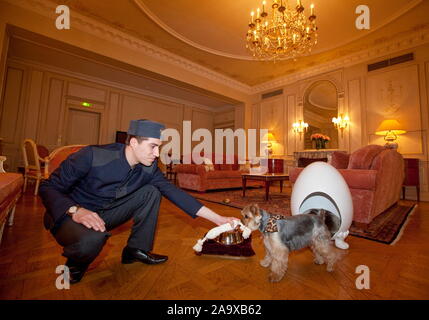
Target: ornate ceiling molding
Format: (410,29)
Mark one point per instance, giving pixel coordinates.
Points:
(174,33)
(385,22)
(409,41)
(145,9)
(103,31)
(47,8)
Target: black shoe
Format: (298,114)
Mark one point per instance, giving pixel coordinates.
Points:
(76,270)
(130,255)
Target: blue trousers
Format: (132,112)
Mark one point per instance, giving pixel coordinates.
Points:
(83,245)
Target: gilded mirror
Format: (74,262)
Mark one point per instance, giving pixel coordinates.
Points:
(320,106)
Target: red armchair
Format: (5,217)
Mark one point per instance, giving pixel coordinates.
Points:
(203,177)
(374,175)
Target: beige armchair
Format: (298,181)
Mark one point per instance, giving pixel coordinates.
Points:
(33,161)
(2,159)
(32,166)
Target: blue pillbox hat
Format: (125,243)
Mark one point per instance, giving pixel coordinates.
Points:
(145,128)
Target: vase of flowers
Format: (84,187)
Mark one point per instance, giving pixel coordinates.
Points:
(320,140)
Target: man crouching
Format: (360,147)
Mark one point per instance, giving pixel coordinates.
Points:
(101,187)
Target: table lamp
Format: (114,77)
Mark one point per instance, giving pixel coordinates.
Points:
(390,129)
(268,138)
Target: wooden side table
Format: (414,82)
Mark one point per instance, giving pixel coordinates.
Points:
(411,167)
(274,165)
(267,178)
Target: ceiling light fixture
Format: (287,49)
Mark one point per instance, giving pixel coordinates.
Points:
(285,33)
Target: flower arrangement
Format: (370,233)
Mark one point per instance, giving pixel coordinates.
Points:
(319,136)
(320,139)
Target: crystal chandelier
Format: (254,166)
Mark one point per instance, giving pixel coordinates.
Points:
(283,34)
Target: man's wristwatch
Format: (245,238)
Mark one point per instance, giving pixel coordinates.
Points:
(72,210)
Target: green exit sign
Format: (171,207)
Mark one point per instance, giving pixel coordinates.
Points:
(87,104)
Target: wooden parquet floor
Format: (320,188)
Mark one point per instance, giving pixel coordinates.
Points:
(29,256)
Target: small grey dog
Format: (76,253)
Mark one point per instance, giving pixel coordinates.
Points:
(285,234)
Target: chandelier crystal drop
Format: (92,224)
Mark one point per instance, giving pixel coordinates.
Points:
(282,34)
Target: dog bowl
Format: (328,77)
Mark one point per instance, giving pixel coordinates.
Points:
(230,238)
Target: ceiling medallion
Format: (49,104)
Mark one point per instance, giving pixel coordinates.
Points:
(283,34)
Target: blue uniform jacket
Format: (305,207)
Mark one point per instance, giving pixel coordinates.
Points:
(95,176)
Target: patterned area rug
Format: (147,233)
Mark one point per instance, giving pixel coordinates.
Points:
(385,228)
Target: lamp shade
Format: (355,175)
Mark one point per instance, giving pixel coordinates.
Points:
(268,137)
(390,125)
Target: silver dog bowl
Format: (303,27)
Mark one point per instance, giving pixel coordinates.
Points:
(230,238)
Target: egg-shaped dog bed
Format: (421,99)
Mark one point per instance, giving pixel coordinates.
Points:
(321,186)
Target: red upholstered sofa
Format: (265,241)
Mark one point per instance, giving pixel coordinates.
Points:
(374,175)
(201,177)
(10,191)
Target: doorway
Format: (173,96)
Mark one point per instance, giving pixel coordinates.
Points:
(83,127)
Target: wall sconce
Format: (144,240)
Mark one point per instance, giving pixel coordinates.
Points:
(300,127)
(268,138)
(390,129)
(341,122)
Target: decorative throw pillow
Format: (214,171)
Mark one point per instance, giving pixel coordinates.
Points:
(208,165)
(243,167)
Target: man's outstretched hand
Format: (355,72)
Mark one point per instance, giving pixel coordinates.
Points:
(212,216)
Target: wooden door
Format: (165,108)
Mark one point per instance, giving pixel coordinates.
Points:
(83,127)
